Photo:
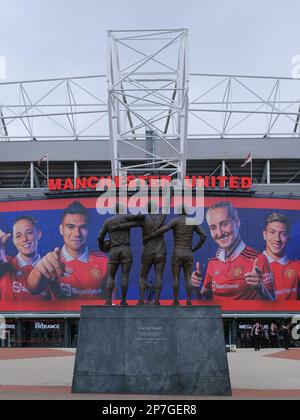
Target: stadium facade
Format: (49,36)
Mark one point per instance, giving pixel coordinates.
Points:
(147,115)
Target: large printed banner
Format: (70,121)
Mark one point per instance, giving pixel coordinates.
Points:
(50,259)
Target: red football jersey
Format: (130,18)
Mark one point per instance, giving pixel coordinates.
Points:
(88,279)
(225,280)
(13,285)
(286,280)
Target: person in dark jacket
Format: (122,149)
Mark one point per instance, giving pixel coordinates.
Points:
(256,333)
(285,332)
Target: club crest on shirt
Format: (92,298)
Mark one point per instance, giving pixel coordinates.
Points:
(236,272)
(290,273)
(96,274)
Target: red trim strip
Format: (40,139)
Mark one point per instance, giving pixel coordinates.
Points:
(75,305)
(90,203)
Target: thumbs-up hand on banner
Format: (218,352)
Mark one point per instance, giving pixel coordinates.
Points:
(3,239)
(197,279)
(255,277)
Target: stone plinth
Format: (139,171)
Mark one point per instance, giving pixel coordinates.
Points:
(151,350)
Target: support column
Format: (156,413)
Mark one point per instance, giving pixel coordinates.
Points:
(268,171)
(233,331)
(223,168)
(66,334)
(19,333)
(230,333)
(76,172)
(31,175)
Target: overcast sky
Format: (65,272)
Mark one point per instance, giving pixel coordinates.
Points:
(56,38)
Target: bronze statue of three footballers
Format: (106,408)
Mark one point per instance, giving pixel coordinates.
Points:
(154,251)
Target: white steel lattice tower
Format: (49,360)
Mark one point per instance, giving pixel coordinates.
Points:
(148,101)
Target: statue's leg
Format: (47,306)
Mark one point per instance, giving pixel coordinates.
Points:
(112,270)
(159,271)
(188,268)
(143,277)
(125,281)
(176,275)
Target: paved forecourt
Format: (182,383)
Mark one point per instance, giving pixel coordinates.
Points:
(47,374)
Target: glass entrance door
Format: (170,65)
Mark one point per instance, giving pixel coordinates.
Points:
(43,333)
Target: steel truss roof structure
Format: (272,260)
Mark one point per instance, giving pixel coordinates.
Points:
(148,94)
(222,106)
(142,108)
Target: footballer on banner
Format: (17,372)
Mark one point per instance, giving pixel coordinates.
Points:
(73,272)
(14,271)
(286,272)
(237,272)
